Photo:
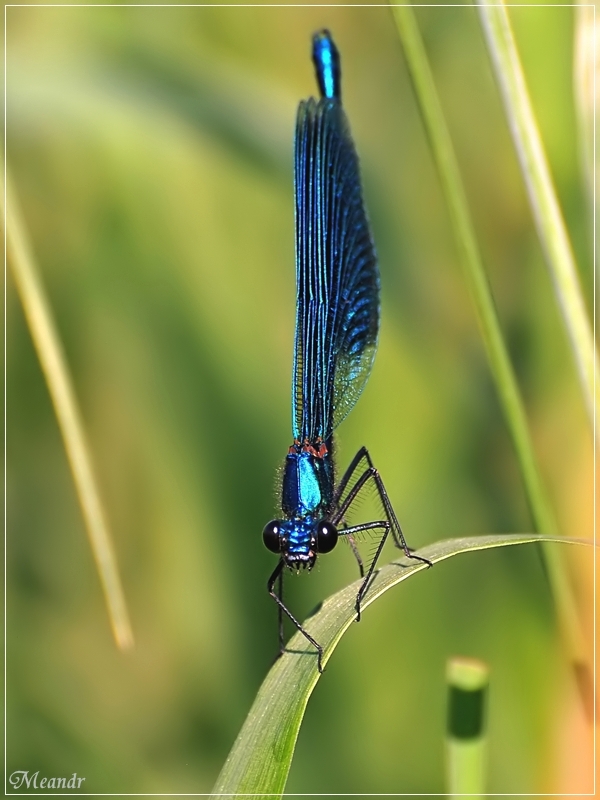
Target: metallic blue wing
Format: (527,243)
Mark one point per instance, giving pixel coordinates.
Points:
(337,316)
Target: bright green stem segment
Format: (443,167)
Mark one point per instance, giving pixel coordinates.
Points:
(466,743)
(479,288)
(260,759)
(466,767)
(58,379)
(542,196)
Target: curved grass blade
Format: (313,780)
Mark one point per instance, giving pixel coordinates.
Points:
(544,204)
(497,353)
(260,759)
(60,386)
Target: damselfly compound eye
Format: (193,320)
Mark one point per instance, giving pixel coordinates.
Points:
(327,537)
(272,536)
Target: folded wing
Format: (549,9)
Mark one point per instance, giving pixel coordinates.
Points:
(336,271)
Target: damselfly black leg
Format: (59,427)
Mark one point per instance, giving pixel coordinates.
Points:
(368,526)
(276,576)
(370,473)
(280,612)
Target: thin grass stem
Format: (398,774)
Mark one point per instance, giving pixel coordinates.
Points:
(60,386)
(500,364)
(584,69)
(544,204)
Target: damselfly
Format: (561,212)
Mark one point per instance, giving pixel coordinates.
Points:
(337,323)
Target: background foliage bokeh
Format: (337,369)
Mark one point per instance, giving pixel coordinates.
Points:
(151,149)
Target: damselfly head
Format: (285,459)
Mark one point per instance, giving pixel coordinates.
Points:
(294,540)
(298,541)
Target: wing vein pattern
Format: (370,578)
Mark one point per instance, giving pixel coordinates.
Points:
(337,318)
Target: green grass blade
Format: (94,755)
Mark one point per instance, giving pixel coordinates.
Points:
(56,372)
(260,759)
(501,367)
(542,196)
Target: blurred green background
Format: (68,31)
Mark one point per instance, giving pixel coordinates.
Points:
(151,149)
